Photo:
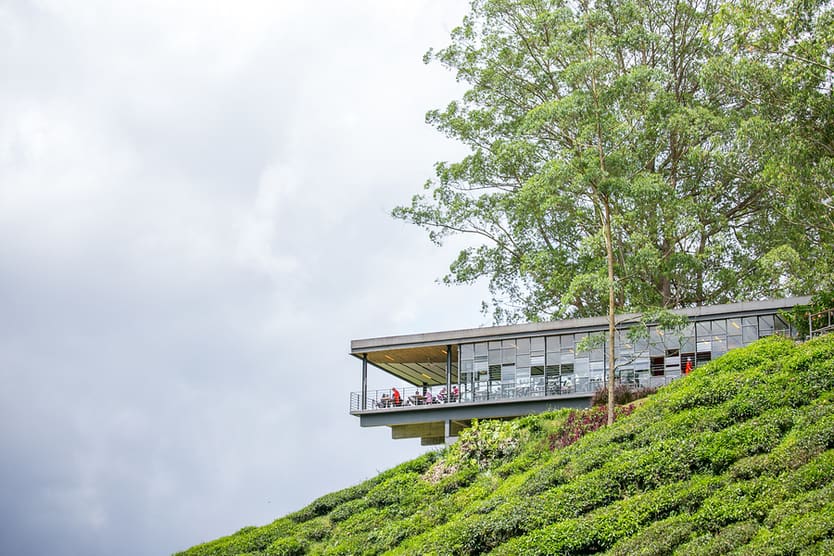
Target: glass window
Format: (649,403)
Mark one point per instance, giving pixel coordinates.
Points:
(734,327)
(537,344)
(748,321)
(567,343)
(467,352)
(749,334)
(658,365)
(703,329)
(780,325)
(523,345)
(719,327)
(508,351)
(537,370)
(765,325)
(494,356)
(538,359)
(657,349)
(481,350)
(671,340)
(495,372)
(553,344)
(523,360)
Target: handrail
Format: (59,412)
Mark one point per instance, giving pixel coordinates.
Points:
(412,397)
(827,322)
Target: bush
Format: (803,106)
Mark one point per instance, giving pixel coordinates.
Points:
(623,394)
(724,541)
(581,422)
(658,539)
(288,546)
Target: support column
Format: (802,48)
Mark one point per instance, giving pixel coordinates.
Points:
(364,381)
(448,372)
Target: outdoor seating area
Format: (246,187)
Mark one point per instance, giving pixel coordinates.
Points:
(407,396)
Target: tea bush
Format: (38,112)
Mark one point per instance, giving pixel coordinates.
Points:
(737,458)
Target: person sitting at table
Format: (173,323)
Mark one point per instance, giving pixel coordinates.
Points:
(441,396)
(428,398)
(398,400)
(455,393)
(385,401)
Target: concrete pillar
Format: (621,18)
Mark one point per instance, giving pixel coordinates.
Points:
(448,372)
(364,381)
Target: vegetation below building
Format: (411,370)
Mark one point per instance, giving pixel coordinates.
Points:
(736,458)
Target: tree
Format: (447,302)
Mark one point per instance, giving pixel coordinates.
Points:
(781,68)
(603,176)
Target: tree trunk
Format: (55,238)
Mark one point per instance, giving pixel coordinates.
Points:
(609,253)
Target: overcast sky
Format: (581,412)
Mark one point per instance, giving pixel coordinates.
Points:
(194,223)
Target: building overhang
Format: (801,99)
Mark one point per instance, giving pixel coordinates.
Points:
(427,350)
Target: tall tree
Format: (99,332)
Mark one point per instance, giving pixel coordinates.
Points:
(780,68)
(602,175)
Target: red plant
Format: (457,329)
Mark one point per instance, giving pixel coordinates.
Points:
(580,422)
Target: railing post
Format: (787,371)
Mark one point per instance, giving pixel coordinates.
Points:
(364,381)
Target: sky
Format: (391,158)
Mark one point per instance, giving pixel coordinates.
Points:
(195,205)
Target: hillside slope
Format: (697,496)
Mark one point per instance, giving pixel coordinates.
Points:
(737,458)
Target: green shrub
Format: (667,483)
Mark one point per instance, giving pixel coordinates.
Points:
(739,501)
(314,530)
(347,509)
(719,450)
(246,540)
(323,505)
(822,548)
(287,546)
(726,540)
(793,533)
(658,539)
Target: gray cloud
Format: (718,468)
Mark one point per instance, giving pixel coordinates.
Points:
(194,210)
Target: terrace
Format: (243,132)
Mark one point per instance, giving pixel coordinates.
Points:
(449,378)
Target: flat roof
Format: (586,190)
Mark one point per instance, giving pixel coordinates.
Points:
(487,333)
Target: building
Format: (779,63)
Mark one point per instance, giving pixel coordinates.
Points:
(509,371)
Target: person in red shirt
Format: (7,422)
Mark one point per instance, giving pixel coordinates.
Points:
(397,398)
(688,366)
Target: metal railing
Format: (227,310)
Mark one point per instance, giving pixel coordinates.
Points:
(403,397)
(821,323)
(386,399)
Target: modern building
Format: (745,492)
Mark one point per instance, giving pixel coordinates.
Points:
(508,371)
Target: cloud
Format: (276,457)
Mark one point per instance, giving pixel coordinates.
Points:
(194,203)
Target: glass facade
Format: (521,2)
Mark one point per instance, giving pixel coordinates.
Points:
(551,364)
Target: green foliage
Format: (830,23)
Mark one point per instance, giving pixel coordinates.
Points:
(797,316)
(724,541)
(671,125)
(738,458)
